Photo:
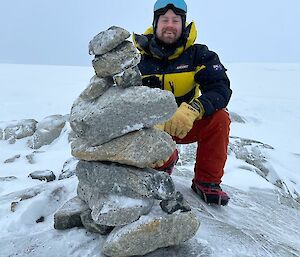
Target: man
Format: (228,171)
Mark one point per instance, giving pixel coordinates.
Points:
(171,61)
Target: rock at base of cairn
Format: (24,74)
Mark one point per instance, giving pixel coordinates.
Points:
(120,210)
(68,216)
(177,203)
(90,225)
(151,233)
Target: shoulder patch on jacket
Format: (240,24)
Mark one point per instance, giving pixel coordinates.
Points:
(217,67)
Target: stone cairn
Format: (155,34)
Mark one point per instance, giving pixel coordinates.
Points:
(114,139)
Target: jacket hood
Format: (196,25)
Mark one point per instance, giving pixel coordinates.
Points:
(145,43)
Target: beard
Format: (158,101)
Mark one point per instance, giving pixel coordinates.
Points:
(169,36)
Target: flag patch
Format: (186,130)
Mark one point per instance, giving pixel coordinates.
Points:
(217,67)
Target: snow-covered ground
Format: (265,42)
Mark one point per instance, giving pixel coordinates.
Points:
(260,220)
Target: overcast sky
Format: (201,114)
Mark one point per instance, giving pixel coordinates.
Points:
(58,31)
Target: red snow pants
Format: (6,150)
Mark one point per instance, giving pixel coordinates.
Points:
(212,136)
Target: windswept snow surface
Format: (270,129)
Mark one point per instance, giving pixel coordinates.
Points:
(260,220)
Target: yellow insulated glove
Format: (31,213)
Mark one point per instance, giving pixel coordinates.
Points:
(182,121)
(160,126)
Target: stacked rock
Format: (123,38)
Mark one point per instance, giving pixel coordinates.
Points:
(115,143)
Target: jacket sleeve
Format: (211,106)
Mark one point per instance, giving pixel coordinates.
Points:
(213,81)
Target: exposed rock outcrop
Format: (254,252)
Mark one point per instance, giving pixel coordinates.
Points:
(47,131)
(18,129)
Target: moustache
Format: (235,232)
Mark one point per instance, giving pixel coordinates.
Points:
(170,30)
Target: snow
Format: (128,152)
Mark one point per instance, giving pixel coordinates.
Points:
(267,96)
(38,91)
(119,202)
(259,219)
(135,127)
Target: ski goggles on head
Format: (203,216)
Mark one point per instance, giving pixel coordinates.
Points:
(179,6)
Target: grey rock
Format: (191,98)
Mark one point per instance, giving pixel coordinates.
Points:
(96,178)
(6,179)
(122,57)
(19,129)
(40,219)
(248,150)
(14,206)
(90,194)
(119,210)
(72,136)
(47,131)
(28,195)
(12,140)
(47,175)
(107,40)
(12,159)
(151,233)
(251,152)
(129,77)
(28,192)
(192,248)
(254,154)
(69,169)
(140,148)
(25,194)
(120,111)
(162,186)
(96,88)
(31,157)
(55,195)
(90,225)
(177,203)
(68,216)
(236,117)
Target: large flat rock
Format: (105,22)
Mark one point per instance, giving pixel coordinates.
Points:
(96,178)
(120,111)
(140,148)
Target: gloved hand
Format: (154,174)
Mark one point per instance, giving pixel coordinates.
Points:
(158,164)
(168,164)
(182,121)
(160,126)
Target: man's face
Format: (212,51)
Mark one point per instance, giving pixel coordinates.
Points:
(169,27)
